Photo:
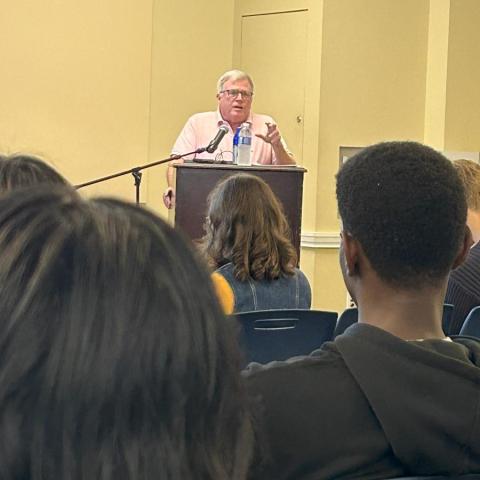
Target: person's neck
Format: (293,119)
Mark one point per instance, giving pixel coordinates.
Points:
(473,222)
(408,314)
(235,125)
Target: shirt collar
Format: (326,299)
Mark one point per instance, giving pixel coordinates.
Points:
(220,119)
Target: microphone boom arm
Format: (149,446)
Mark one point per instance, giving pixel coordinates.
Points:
(134,171)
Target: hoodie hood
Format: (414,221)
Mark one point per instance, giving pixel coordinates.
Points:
(419,391)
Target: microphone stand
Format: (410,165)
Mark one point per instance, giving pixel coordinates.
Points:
(137,172)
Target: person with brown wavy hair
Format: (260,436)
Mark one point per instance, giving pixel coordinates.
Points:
(247,242)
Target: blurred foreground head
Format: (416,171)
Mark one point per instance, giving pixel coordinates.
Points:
(19,171)
(115,359)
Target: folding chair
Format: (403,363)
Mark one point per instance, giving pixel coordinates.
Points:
(471,325)
(269,335)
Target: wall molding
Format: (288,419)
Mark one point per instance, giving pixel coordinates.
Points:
(320,240)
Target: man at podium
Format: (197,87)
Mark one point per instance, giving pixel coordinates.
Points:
(234,94)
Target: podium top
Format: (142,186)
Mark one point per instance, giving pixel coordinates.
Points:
(241,168)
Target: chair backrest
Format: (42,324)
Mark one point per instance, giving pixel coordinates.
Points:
(269,335)
(471,325)
(350,316)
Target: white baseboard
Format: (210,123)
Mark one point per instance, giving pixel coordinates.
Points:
(320,240)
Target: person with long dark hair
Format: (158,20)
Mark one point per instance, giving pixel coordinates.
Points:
(111,366)
(21,170)
(247,242)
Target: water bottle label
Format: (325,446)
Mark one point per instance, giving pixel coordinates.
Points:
(236,136)
(245,141)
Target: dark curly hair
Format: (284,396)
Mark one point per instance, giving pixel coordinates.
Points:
(246,226)
(405,204)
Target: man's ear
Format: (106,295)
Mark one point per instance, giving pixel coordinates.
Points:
(464,248)
(350,253)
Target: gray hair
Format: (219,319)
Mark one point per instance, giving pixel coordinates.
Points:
(233,75)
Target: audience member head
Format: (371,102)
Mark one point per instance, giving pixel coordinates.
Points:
(18,171)
(403,211)
(469,173)
(246,226)
(116,361)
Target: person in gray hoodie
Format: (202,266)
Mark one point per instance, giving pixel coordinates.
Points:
(392,396)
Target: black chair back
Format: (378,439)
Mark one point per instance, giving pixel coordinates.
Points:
(347,317)
(270,335)
(471,325)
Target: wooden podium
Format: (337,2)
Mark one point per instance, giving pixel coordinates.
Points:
(194,181)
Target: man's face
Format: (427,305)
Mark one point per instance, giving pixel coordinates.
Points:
(235,109)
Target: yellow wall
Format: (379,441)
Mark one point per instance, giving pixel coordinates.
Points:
(99,87)
(437,64)
(372,88)
(75,84)
(462,125)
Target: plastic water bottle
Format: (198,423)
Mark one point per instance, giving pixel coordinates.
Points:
(235,145)
(244,144)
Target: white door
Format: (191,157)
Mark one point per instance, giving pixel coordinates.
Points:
(273,52)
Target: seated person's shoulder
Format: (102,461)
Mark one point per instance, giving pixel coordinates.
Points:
(302,276)
(276,385)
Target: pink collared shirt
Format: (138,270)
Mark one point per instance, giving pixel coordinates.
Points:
(201,128)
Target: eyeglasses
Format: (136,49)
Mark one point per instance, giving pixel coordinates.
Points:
(233,93)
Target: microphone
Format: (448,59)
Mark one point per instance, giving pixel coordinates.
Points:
(213,145)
